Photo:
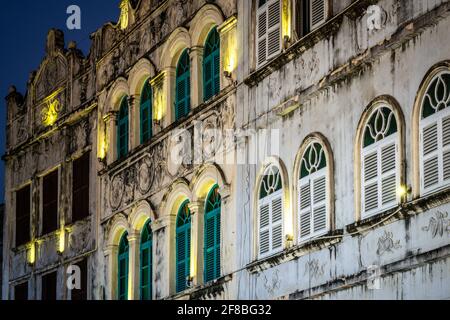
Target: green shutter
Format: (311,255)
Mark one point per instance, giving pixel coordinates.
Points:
(146,263)
(211,65)
(183,247)
(212,236)
(183,87)
(122,272)
(122,129)
(146,112)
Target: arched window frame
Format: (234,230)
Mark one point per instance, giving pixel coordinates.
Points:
(123,268)
(381,160)
(211,65)
(434,133)
(270,217)
(146,265)
(146,112)
(183,86)
(123,131)
(314,170)
(212,235)
(183,247)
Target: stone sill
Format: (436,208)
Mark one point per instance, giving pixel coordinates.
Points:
(330,27)
(210,290)
(296,252)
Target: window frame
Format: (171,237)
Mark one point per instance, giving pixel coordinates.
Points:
(49,229)
(214,58)
(146,106)
(147,245)
(123,256)
(83,188)
(216,215)
(18,241)
(185,77)
(123,120)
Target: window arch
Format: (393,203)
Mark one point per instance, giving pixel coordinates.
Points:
(313,194)
(270,213)
(146,259)
(183,247)
(435,134)
(146,112)
(122,129)
(212,235)
(380,159)
(122,270)
(211,65)
(183,86)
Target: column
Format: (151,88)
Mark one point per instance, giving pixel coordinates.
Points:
(196,55)
(197,213)
(134,266)
(111,140)
(169,91)
(111,257)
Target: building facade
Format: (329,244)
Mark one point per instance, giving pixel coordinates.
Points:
(264,149)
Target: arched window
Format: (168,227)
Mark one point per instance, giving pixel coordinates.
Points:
(270,213)
(380,162)
(183,86)
(312,193)
(212,235)
(122,272)
(122,129)
(183,246)
(146,112)
(211,65)
(146,262)
(435,135)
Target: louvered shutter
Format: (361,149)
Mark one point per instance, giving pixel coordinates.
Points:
(430,156)
(218,241)
(277,223)
(319,203)
(146,271)
(208,78)
(183,257)
(304,208)
(318,10)
(446,149)
(181,93)
(216,71)
(389,174)
(212,245)
(370,182)
(268,43)
(264,229)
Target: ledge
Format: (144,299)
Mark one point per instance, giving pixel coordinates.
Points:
(330,239)
(330,27)
(209,290)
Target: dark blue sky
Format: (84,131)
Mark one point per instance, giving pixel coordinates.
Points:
(23,28)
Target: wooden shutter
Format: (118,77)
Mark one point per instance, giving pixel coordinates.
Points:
(212,245)
(268,26)
(271,224)
(23,213)
(183,87)
(80,187)
(318,10)
(122,268)
(446,149)
(388,174)
(370,181)
(319,203)
(183,256)
(304,208)
(146,270)
(122,129)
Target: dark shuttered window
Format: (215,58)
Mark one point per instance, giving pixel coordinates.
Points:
(50,203)
(80,188)
(23,216)
(49,287)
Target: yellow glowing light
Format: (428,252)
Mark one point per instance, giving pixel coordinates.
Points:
(286,19)
(32,252)
(124,9)
(50,112)
(61,240)
(229,48)
(159,100)
(403,191)
(102,149)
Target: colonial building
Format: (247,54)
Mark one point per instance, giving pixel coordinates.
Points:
(250,149)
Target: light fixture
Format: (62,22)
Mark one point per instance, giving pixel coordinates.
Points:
(403,191)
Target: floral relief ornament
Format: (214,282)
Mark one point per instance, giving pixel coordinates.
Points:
(386,243)
(438,225)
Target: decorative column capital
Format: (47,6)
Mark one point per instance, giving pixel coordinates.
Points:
(163,222)
(110,116)
(110,249)
(133,236)
(196,207)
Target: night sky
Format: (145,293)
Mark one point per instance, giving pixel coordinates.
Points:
(24,25)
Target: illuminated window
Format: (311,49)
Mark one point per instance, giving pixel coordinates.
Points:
(312,193)
(309,14)
(211,65)
(146,112)
(183,247)
(122,270)
(435,135)
(268,28)
(50,203)
(212,235)
(80,188)
(380,162)
(183,86)
(122,129)
(146,262)
(23,216)
(270,213)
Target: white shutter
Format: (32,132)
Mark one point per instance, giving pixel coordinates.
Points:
(430,156)
(446,149)
(319,203)
(271,224)
(318,10)
(370,182)
(268,40)
(304,211)
(313,205)
(389,175)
